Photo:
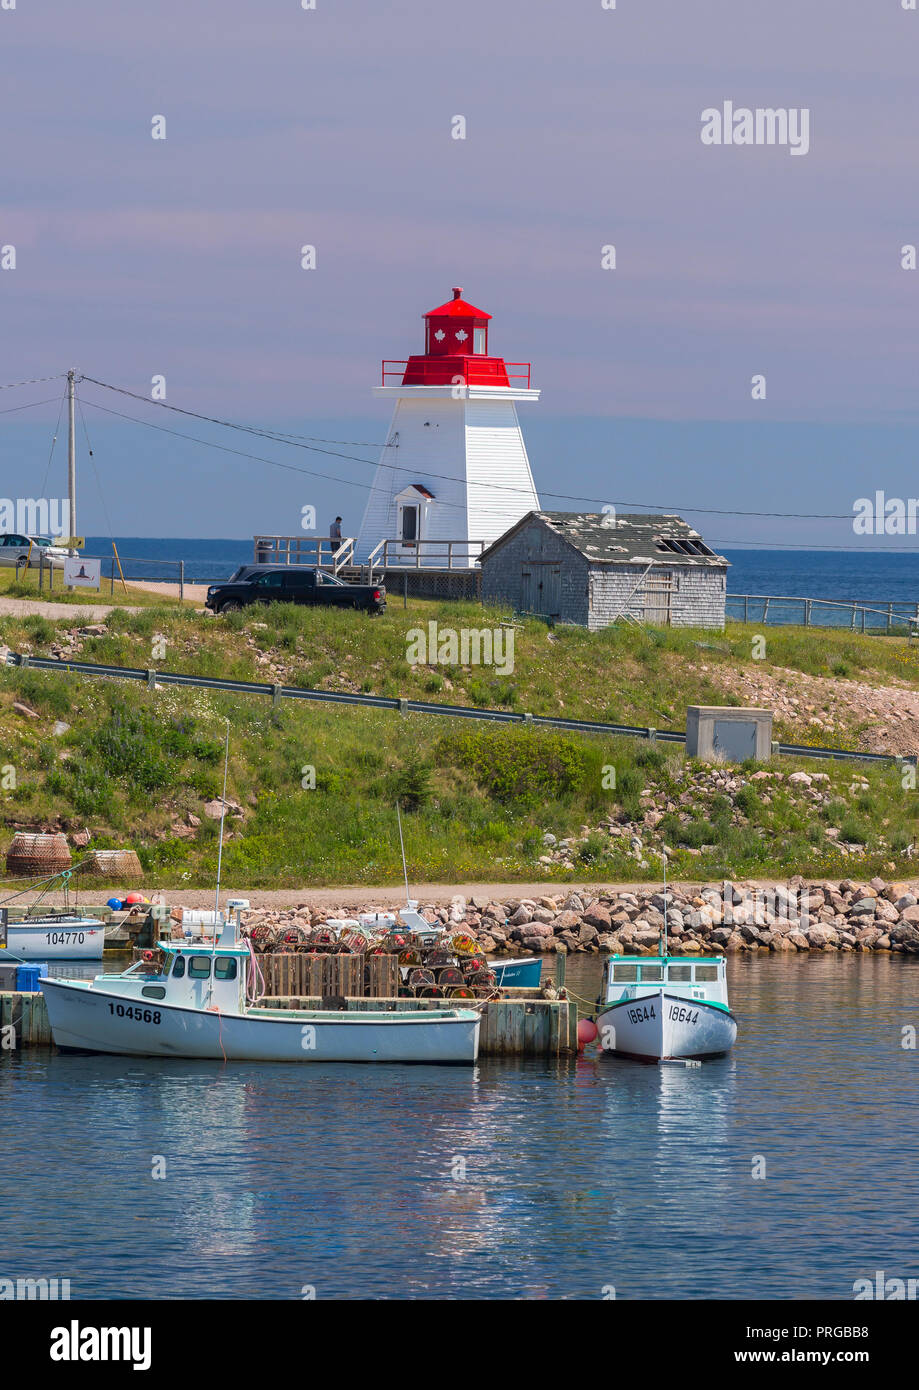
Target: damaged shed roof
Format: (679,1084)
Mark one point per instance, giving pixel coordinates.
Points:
(631,538)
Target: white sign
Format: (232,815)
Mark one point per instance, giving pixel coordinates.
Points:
(86,574)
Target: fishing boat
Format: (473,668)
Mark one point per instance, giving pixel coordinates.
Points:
(55,936)
(526,972)
(665,1008)
(203,1003)
(53,933)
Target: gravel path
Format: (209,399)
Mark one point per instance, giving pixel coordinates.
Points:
(357,896)
(194,593)
(73,612)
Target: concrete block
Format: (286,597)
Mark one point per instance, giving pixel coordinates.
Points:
(727,733)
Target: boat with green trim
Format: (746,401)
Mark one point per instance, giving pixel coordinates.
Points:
(664,1008)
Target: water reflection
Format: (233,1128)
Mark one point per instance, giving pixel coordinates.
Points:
(515,1179)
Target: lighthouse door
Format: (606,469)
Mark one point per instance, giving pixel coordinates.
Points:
(409,518)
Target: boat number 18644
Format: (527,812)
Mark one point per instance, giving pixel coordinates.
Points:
(641,1013)
(681,1014)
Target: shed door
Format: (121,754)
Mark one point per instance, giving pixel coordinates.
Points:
(541,590)
(657,592)
(551,605)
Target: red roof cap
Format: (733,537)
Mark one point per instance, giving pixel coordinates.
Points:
(457,308)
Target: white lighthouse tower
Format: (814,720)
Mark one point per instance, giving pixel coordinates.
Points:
(454,467)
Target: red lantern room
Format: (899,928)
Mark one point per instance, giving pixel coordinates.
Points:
(456,350)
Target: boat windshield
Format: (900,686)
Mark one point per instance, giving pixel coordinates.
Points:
(653,973)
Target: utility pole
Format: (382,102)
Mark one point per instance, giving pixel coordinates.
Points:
(71,460)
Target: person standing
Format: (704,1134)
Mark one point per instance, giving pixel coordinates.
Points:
(335,534)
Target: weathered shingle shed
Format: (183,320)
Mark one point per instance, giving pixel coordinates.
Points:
(593,569)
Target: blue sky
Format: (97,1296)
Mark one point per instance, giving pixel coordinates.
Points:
(332,127)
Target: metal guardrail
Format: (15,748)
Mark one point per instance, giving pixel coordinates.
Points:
(152,677)
(856,614)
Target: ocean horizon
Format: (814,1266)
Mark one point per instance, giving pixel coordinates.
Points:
(871,576)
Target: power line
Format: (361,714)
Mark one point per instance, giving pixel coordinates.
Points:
(225,448)
(278,437)
(32,381)
(57,427)
(11,410)
(803,545)
(241,453)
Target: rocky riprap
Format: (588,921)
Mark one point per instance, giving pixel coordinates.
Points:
(792,916)
(696,788)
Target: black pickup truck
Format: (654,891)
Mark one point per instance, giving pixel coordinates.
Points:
(291,584)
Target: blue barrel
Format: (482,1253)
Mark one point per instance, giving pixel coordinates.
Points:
(29,977)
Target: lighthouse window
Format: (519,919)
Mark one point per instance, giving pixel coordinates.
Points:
(409,523)
(478,340)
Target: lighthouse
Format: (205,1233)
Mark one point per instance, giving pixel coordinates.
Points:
(453,475)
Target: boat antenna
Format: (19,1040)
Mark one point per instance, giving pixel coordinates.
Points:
(223,815)
(402,848)
(663,944)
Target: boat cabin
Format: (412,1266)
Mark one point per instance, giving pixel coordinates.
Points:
(194,977)
(632,977)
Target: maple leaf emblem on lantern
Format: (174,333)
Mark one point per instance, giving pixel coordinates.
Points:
(440,335)
(461,336)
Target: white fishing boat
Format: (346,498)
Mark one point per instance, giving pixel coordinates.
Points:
(665,1008)
(56,936)
(52,936)
(204,1003)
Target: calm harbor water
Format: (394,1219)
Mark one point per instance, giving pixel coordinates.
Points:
(527,1179)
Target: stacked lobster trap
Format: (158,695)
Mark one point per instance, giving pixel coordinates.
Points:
(376,956)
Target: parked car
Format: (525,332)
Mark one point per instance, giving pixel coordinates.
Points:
(292,584)
(14,549)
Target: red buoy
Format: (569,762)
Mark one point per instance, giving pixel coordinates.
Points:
(587,1032)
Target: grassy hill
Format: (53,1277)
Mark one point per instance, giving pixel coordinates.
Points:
(137,767)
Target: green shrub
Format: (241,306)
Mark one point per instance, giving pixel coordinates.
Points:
(409,786)
(519,765)
(853,831)
(593,849)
